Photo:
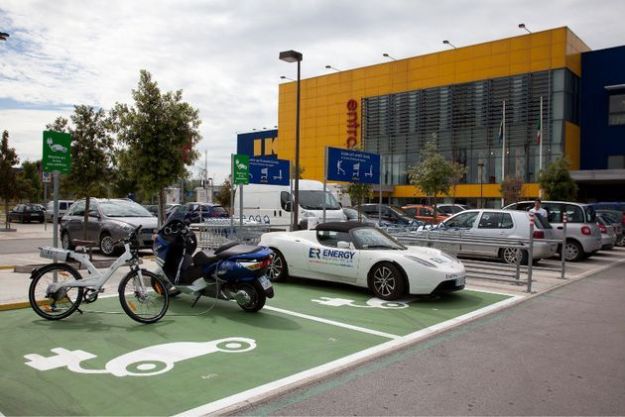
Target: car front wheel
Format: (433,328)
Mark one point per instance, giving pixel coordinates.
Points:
(386,281)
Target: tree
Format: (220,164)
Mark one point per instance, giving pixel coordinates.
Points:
(31,176)
(90,172)
(434,174)
(159,133)
(223,196)
(510,189)
(358,193)
(556,182)
(8,159)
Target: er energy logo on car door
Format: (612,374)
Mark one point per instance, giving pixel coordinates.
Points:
(331,256)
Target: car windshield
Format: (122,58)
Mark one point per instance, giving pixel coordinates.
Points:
(123,209)
(371,238)
(314,200)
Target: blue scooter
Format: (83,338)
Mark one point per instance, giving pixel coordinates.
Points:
(231,272)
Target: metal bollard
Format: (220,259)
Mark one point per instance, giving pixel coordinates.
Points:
(565,220)
(530,257)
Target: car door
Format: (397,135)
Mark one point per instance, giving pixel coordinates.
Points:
(71,222)
(454,227)
(95,222)
(554,217)
(492,225)
(329,262)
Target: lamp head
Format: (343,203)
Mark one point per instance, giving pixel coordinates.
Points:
(291,56)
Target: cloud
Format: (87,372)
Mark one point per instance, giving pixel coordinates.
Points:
(224,54)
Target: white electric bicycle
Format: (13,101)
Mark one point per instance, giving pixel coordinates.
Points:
(57,289)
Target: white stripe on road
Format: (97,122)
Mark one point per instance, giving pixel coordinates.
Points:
(233,402)
(333,323)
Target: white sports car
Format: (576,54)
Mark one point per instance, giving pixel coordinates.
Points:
(365,256)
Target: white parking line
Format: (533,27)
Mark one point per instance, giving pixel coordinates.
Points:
(229,404)
(333,323)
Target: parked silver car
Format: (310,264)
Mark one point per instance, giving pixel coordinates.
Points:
(608,232)
(109,221)
(583,237)
(477,224)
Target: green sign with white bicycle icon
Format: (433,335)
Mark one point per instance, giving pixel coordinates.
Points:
(56,152)
(240,169)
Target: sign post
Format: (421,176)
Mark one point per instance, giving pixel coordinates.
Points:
(56,159)
(240,177)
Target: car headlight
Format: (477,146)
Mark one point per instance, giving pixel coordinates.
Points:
(454,276)
(307,214)
(421,261)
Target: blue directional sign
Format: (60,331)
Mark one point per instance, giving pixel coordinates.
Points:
(269,171)
(353,166)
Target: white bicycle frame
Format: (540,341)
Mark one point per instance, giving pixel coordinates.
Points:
(96,278)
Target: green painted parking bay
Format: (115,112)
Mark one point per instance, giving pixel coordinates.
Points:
(106,364)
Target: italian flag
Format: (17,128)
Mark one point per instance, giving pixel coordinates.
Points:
(539,132)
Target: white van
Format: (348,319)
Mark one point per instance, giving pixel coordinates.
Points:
(64,205)
(271,204)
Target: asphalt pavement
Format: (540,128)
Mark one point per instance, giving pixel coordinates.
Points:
(559,353)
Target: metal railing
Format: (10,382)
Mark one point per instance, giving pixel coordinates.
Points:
(214,234)
(453,242)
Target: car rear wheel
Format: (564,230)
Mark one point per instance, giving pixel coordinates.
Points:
(66,242)
(573,251)
(279,270)
(107,244)
(386,281)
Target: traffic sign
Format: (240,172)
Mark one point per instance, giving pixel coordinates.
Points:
(46,177)
(353,166)
(56,152)
(240,169)
(269,171)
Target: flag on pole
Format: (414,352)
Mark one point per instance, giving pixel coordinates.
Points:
(539,132)
(500,134)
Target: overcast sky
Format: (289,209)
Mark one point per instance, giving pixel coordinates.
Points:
(224,54)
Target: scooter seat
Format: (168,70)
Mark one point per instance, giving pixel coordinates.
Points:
(236,250)
(225,246)
(203,258)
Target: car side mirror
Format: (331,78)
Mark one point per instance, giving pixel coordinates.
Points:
(341,244)
(288,206)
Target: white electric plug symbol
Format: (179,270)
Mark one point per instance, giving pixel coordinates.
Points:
(370,303)
(152,360)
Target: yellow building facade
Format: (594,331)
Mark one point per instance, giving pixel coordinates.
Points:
(452,97)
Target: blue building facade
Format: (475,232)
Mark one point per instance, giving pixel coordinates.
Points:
(603,109)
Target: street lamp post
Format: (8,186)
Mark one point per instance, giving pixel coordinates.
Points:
(481,174)
(294,56)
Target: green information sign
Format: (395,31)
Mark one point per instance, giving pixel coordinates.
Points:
(56,152)
(240,169)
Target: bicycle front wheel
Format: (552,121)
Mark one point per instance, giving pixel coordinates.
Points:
(144,298)
(47,298)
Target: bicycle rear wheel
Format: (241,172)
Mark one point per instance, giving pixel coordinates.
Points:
(57,304)
(145,303)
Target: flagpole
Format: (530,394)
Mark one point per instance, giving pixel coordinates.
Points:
(503,149)
(540,144)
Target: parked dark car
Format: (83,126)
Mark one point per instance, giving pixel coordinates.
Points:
(352,214)
(109,221)
(390,214)
(26,213)
(198,212)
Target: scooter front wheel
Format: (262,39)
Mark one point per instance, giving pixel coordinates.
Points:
(250,296)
